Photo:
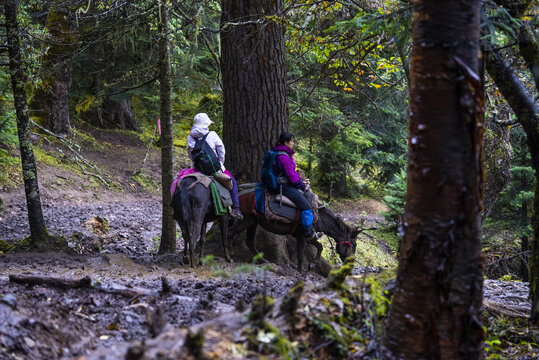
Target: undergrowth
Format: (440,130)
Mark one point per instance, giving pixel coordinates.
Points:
(336,320)
(10,170)
(510,338)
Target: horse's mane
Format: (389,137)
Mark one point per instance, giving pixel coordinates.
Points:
(339,224)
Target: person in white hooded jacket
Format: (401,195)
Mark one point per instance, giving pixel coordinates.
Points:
(201,123)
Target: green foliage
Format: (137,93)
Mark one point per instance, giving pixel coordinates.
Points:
(501,26)
(9,161)
(5,246)
(509,220)
(156,242)
(502,254)
(352,112)
(337,276)
(8,124)
(509,338)
(395,199)
(148,182)
(369,253)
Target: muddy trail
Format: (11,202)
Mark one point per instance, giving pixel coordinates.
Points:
(132,292)
(113,288)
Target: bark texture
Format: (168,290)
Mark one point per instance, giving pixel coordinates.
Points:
(113,114)
(527,113)
(435,312)
(38,230)
(254,82)
(50,104)
(528,45)
(168,230)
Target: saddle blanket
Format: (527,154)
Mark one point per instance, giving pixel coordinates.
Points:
(206,181)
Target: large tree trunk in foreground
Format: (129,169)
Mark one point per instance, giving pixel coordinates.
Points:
(435,312)
(254,83)
(168,230)
(38,230)
(527,113)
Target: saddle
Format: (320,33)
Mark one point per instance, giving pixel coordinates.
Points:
(277,207)
(207,181)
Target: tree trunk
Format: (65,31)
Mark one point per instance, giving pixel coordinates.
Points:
(527,113)
(254,83)
(168,230)
(435,312)
(116,115)
(50,105)
(528,46)
(38,230)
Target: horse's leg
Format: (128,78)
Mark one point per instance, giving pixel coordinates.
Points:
(250,239)
(223,223)
(202,241)
(300,248)
(196,230)
(319,249)
(186,241)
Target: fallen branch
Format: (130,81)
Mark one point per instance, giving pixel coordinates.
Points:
(85,282)
(499,309)
(62,283)
(78,158)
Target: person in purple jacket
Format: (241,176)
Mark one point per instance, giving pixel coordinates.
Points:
(284,168)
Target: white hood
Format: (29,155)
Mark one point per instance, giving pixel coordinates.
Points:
(199,131)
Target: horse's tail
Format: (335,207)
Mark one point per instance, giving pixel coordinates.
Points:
(180,204)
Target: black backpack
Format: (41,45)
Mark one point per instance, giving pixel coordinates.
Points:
(204,157)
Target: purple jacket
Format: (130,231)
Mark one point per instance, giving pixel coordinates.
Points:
(286,166)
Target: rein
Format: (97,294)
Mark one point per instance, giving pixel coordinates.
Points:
(345,243)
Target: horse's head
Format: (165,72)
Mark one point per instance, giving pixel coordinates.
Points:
(344,235)
(347,243)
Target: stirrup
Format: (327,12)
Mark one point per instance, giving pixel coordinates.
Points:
(236,213)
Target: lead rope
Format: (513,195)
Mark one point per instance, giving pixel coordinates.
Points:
(333,253)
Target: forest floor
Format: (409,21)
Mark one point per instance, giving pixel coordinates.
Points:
(112,296)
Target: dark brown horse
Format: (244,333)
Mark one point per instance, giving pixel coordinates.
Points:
(329,224)
(193,209)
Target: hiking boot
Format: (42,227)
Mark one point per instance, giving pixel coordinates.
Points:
(236,214)
(309,233)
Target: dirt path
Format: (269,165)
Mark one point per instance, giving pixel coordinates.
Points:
(127,301)
(45,322)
